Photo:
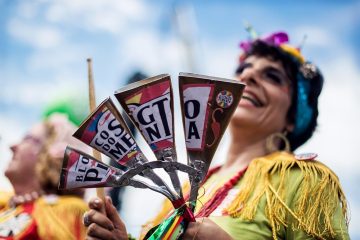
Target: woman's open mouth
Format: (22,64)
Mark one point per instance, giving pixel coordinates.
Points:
(252,99)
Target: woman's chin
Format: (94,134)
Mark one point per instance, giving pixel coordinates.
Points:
(243,119)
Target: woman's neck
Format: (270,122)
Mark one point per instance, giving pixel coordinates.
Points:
(243,149)
(26,187)
(25,193)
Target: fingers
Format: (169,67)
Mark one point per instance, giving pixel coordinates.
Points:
(93,216)
(103,221)
(97,204)
(191,231)
(97,232)
(205,229)
(113,215)
(92,238)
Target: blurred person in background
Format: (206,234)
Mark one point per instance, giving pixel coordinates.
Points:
(263,190)
(37,209)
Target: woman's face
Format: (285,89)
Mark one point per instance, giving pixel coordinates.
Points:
(26,154)
(266,98)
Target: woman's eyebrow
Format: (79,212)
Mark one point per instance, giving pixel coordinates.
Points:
(246,64)
(32,138)
(242,66)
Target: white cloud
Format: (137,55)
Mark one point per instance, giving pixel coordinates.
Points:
(29,10)
(219,59)
(39,36)
(343,69)
(111,16)
(316,36)
(153,52)
(58,59)
(35,94)
(38,23)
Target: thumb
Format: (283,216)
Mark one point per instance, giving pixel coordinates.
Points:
(113,215)
(97,204)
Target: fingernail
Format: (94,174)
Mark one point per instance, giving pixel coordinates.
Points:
(86,220)
(97,202)
(111,227)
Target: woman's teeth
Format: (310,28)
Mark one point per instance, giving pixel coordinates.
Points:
(254,101)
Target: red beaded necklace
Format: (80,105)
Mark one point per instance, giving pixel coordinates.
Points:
(220,194)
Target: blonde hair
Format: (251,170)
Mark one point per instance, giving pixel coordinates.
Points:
(58,134)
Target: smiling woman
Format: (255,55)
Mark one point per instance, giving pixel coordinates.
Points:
(263,190)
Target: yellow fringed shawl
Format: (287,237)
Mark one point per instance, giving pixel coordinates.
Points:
(61,219)
(4,198)
(317,196)
(314,207)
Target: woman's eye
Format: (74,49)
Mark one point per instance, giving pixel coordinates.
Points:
(274,78)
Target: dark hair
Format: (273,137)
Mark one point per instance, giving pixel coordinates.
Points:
(292,68)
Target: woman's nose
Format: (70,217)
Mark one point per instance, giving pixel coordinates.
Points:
(13,147)
(249,77)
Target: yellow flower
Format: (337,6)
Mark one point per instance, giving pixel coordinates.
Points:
(293,51)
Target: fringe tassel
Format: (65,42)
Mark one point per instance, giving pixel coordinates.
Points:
(315,205)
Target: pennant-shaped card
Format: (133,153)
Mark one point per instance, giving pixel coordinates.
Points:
(149,104)
(106,131)
(81,170)
(207,104)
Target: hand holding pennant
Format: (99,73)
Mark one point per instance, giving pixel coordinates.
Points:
(207,104)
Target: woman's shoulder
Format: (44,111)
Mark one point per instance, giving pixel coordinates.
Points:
(62,204)
(4,198)
(294,165)
(296,186)
(59,216)
(301,172)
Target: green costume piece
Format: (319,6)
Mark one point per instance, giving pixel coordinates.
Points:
(75,107)
(260,227)
(279,197)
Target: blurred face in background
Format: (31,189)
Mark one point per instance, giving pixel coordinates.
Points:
(26,154)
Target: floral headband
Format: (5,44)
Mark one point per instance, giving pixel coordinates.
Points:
(307,72)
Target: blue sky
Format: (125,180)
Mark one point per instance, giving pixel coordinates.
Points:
(44,45)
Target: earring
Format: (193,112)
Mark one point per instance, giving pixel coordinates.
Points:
(271,141)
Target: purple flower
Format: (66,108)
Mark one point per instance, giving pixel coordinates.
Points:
(275,39)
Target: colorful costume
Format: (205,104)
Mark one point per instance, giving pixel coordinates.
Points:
(278,197)
(48,217)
